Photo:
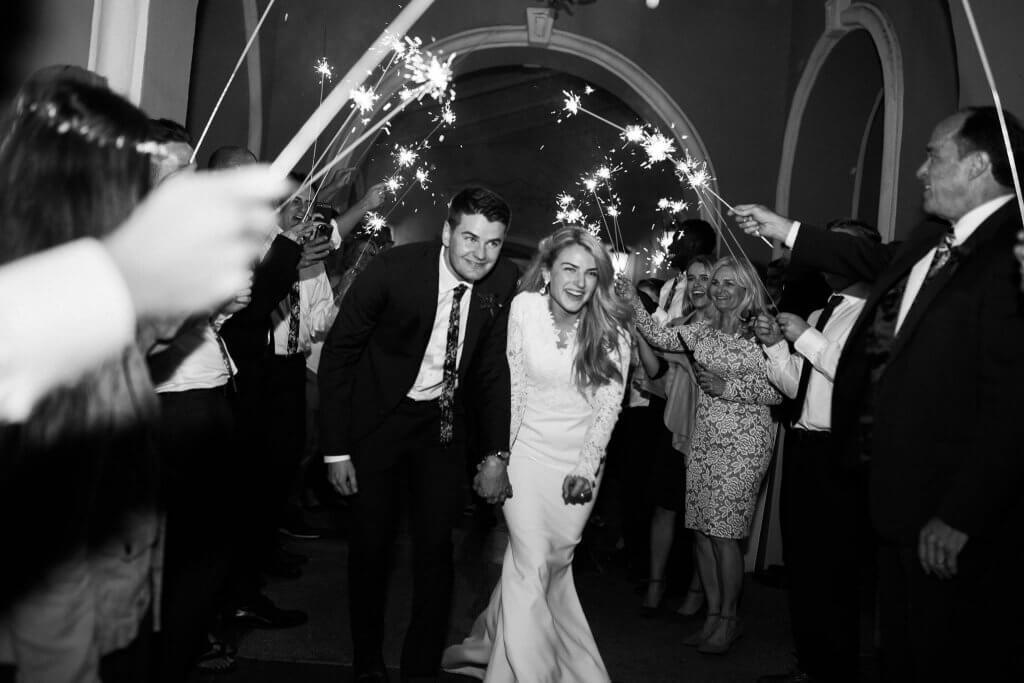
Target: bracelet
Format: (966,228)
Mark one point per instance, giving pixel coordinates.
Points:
(502,456)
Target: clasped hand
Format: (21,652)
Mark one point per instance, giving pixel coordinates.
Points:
(938,547)
(576,490)
(491,481)
(771,330)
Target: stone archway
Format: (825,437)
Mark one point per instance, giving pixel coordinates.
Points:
(673,119)
(842,18)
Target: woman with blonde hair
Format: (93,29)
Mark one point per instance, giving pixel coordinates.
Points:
(732,439)
(568,352)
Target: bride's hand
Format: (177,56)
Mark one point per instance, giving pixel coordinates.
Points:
(576,490)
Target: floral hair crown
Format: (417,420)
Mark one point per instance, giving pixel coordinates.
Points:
(48,112)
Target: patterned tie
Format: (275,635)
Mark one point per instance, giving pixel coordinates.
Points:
(672,293)
(451,352)
(797,406)
(293,320)
(943,252)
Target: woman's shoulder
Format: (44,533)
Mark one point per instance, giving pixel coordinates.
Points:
(526,301)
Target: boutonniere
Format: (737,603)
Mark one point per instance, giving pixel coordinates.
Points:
(490,303)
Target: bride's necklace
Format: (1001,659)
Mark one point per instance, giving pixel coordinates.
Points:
(564,333)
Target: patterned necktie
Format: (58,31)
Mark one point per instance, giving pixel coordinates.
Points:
(805,373)
(451,352)
(943,252)
(293,320)
(672,293)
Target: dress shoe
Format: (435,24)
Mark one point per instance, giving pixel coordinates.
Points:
(299,529)
(795,676)
(262,613)
(698,637)
(721,639)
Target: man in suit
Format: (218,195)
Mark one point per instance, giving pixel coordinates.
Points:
(420,322)
(925,391)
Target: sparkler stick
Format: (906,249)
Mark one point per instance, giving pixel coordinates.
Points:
(238,65)
(342,92)
(997,102)
(345,152)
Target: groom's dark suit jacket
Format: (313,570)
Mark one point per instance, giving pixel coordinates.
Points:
(374,350)
(948,436)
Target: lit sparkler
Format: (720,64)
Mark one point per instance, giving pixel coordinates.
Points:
(363,99)
(374,222)
(572,103)
(405,156)
(324,70)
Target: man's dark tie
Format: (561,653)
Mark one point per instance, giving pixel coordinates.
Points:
(451,353)
(293,320)
(797,406)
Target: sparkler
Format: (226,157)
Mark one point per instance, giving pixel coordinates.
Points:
(339,96)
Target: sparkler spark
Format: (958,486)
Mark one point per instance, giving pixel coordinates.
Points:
(324,70)
(363,99)
(604,173)
(588,90)
(406,157)
(572,103)
(564,200)
(375,223)
(590,184)
(393,184)
(634,133)
(612,211)
(569,216)
(594,229)
(658,148)
(422,177)
(447,115)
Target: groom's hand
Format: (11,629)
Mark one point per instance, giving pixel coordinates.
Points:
(491,481)
(342,476)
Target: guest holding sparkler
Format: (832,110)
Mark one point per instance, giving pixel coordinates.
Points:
(924,395)
(732,440)
(568,353)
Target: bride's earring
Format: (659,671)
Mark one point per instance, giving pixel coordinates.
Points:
(544,287)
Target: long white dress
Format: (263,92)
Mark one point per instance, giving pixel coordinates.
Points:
(534,629)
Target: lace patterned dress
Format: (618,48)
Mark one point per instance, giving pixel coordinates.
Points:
(734,434)
(534,629)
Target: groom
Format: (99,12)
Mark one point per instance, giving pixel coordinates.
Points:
(421,323)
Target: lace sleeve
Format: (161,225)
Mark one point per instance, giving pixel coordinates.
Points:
(752,388)
(516,369)
(606,403)
(681,338)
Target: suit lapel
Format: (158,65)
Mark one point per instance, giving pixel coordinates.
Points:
(425,291)
(927,295)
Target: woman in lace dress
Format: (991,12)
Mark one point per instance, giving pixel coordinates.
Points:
(732,440)
(568,351)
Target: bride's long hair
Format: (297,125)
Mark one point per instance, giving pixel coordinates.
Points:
(603,319)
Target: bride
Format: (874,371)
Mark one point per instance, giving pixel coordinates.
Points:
(568,351)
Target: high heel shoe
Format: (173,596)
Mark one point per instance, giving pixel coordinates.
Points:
(651,611)
(692,603)
(709,627)
(721,640)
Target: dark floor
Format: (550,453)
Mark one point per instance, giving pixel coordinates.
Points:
(635,649)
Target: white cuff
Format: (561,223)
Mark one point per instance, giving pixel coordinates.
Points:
(810,343)
(328,459)
(791,237)
(778,353)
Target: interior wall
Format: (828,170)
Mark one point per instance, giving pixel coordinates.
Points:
(999,23)
(836,116)
(168,62)
(721,60)
(62,34)
(926,40)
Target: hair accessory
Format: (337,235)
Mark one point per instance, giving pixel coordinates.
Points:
(48,112)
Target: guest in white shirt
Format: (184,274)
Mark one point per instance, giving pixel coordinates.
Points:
(814,480)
